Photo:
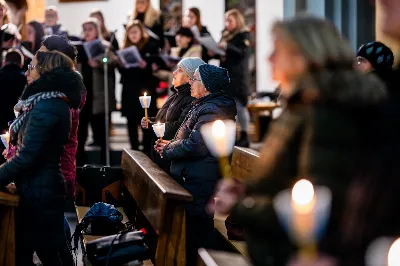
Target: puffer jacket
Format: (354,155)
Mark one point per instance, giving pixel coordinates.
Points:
(192,164)
(35,168)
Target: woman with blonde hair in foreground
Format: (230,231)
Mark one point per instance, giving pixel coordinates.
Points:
(320,136)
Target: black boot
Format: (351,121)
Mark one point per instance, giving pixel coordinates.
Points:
(243,141)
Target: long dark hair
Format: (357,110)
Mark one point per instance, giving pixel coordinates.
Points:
(145,37)
(39,34)
(197,13)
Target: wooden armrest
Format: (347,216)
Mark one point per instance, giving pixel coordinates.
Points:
(11,200)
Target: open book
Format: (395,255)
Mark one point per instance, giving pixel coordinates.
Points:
(210,44)
(130,57)
(94,49)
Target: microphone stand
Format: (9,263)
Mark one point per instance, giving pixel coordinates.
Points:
(106,98)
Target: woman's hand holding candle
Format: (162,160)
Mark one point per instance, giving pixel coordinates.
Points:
(144,123)
(160,145)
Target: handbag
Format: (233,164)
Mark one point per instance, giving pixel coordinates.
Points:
(118,249)
(98,184)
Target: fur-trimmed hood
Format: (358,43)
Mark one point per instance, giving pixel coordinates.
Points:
(63,80)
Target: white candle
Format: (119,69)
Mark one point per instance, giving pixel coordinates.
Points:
(303,206)
(159,129)
(5,138)
(145,100)
(218,132)
(394,254)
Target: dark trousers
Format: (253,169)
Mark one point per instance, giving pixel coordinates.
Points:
(200,233)
(84,120)
(99,130)
(133,124)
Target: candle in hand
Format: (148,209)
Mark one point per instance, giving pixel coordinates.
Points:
(159,129)
(5,138)
(145,102)
(394,254)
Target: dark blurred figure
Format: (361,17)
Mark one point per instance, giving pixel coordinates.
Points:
(13,82)
(51,25)
(109,36)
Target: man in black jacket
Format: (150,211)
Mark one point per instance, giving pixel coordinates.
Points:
(13,81)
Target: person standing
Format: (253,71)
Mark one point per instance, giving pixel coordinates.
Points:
(192,164)
(236,43)
(39,135)
(136,81)
(51,25)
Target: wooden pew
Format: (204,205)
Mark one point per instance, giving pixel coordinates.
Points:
(155,202)
(242,165)
(8,203)
(220,258)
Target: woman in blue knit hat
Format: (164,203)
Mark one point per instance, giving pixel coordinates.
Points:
(374,56)
(192,165)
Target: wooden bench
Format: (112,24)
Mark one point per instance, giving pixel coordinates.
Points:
(221,258)
(155,202)
(242,165)
(8,203)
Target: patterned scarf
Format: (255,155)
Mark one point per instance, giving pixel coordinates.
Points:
(23,107)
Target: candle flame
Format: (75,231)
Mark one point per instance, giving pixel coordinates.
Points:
(218,129)
(394,254)
(303,192)
(145,94)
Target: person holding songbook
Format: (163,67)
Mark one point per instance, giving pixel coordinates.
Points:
(192,20)
(137,80)
(235,42)
(152,19)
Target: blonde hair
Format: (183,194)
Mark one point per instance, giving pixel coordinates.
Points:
(48,61)
(237,15)
(145,37)
(4,5)
(95,23)
(151,15)
(318,40)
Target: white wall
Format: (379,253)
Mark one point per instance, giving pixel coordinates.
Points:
(212,14)
(268,11)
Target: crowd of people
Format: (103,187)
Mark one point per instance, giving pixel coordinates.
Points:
(338,129)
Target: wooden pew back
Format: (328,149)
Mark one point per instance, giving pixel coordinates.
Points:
(8,203)
(243,161)
(159,207)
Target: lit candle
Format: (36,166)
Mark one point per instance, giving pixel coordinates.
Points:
(303,203)
(159,129)
(145,102)
(394,254)
(5,138)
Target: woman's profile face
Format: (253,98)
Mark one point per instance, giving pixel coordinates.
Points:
(32,73)
(190,19)
(197,89)
(30,33)
(230,23)
(89,32)
(134,35)
(287,63)
(142,5)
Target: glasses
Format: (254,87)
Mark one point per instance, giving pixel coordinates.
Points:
(194,79)
(31,67)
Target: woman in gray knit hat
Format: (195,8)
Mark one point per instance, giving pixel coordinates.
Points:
(192,165)
(176,107)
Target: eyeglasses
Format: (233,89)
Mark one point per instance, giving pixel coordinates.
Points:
(193,80)
(31,67)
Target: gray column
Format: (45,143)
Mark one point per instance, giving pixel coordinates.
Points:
(316,7)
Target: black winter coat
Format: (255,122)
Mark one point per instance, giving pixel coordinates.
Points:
(13,82)
(236,61)
(35,168)
(135,81)
(172,113)
(192,164)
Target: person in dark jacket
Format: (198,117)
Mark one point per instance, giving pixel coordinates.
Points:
(151,18)
(192,164)
(13,82)
(34,35)
(192,20)
(136,81)
(51,25)
(39,135)
(236,43)
(320,136)
(176,107)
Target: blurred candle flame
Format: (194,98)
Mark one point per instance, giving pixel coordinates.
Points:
(218,129)
(394,254)
(303,192)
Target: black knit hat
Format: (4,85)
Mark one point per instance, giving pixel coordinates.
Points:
(379,55)
(215,79)
(185,32)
